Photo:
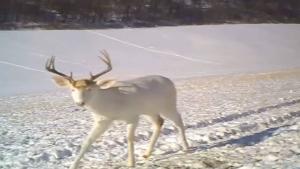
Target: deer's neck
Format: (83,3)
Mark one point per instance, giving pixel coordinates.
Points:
(104,102)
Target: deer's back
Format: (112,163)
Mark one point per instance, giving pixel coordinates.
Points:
(153,93)
(144,95)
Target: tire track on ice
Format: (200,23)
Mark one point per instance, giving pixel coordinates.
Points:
(22,67)
(151,50)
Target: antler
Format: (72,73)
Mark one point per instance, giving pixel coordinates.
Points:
(51,68)
(107,61)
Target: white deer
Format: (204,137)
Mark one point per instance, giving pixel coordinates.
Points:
(153,96)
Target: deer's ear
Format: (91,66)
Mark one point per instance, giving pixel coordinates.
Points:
(106,84)
(60,81)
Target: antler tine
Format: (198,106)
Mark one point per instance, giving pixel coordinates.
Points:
(50,66)
(104,53)
(107,61)
(47,64)
(105,57)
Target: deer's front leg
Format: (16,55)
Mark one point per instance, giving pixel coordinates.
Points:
(130,140)
(98,129)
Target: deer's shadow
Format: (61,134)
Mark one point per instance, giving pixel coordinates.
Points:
(236,116)
(248,140)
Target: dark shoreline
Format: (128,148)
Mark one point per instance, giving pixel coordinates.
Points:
(76,26)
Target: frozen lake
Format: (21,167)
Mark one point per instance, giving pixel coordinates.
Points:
(175,52)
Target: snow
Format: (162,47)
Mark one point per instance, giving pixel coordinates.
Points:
(184,51)
(237,118)
(249,120)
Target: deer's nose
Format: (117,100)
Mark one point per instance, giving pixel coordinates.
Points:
(80,103)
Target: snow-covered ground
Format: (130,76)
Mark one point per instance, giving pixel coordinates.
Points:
(182,51)
(232,121)
(237,117)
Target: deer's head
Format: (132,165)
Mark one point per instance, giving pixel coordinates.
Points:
(81,89)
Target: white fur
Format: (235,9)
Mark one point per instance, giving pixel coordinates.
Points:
(77,96)
(153,96)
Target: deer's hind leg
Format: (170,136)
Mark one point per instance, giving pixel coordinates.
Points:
(175,117)
(157,123)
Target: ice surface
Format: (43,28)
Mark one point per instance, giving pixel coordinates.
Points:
(172,51)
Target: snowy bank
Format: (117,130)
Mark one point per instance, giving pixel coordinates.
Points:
(232,121)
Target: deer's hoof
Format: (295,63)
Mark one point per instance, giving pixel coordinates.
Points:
(146,156)
(130,165)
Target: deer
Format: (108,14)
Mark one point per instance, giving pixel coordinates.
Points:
(153,96)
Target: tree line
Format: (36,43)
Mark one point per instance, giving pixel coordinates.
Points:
(141,13)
